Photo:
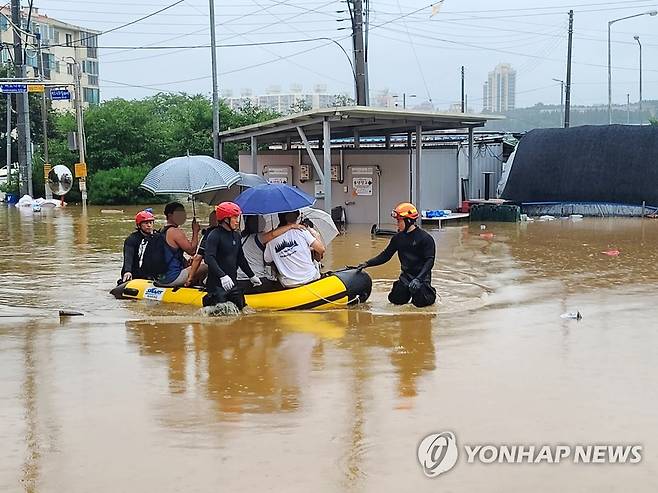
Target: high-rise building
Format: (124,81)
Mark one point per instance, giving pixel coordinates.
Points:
(61,45)
(499,91)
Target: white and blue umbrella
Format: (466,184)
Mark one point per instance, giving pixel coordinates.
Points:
(190,175)
(214,197)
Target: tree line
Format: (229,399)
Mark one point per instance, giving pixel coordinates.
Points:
(127,138)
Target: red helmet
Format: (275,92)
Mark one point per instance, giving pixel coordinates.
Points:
(227,209)
(143,216)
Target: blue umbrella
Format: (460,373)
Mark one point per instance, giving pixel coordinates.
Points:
(272,199)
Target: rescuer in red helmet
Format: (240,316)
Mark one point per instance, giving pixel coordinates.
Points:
(416,251)
(134,247)
(223,254)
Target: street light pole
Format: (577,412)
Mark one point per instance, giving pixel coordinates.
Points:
(561,100)
(610,23)
(637,38)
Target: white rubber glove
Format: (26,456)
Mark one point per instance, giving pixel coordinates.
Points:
(227,283)
(255,281)
(127,277)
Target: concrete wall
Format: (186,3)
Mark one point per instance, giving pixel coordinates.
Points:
(390,177)
(441,171)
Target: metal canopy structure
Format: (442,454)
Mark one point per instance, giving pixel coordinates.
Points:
(353,122)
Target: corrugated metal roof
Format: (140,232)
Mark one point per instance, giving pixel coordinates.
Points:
(345,120)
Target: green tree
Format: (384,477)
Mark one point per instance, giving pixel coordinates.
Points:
(127,138)
(343,100)
(299,106)
(653,121)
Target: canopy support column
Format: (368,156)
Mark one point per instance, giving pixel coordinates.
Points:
(417,168)
(471,184)
(326,144)
(254,155)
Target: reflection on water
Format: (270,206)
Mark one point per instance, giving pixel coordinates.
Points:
(137,396)
(260,363)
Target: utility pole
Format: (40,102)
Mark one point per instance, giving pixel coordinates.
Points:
(81,129)
(567,100)
(628,109)
(22,108)
(561,99)
(215,91)
(463,93)
(44,122)
(637,38)
(359,54)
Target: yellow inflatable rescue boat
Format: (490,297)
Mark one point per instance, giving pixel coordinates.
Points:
(336,290)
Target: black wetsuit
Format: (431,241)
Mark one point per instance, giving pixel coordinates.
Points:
(223,254)
(133,254)
(416,251)
(204,238)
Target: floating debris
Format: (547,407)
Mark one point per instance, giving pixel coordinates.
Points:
(70,313)
(611,253)
(572,315)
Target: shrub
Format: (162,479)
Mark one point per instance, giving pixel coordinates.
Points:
(120,186)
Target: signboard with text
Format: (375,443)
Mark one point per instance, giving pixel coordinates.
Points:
(13,88)
(60,94)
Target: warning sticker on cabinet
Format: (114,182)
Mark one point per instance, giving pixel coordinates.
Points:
(362,186)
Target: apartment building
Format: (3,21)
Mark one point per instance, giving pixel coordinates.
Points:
(62,44)
(499,92)
(281,101)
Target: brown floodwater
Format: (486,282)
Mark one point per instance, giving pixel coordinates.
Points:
(135,396)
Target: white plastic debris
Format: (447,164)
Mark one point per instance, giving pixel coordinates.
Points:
(572,315)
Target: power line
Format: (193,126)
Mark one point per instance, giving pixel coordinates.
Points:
(278,2)
(126,24)
(413,48)
(508,52)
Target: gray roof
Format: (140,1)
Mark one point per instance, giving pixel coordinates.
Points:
(345,120)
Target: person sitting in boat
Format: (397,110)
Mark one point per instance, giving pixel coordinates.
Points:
(416,250)
(176,244)
(253,246)
(134,247)
(224,254)
(198,268)
(293,252)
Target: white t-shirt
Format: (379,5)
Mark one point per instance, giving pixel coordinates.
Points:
(291,254)
(254,256)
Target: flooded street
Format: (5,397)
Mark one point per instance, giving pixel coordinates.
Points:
(136,396)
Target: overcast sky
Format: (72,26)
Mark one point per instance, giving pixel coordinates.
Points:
(409,52)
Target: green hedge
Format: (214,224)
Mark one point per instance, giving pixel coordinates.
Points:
(120,186)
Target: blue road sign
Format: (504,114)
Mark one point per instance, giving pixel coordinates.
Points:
(60,94)
(13,88)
